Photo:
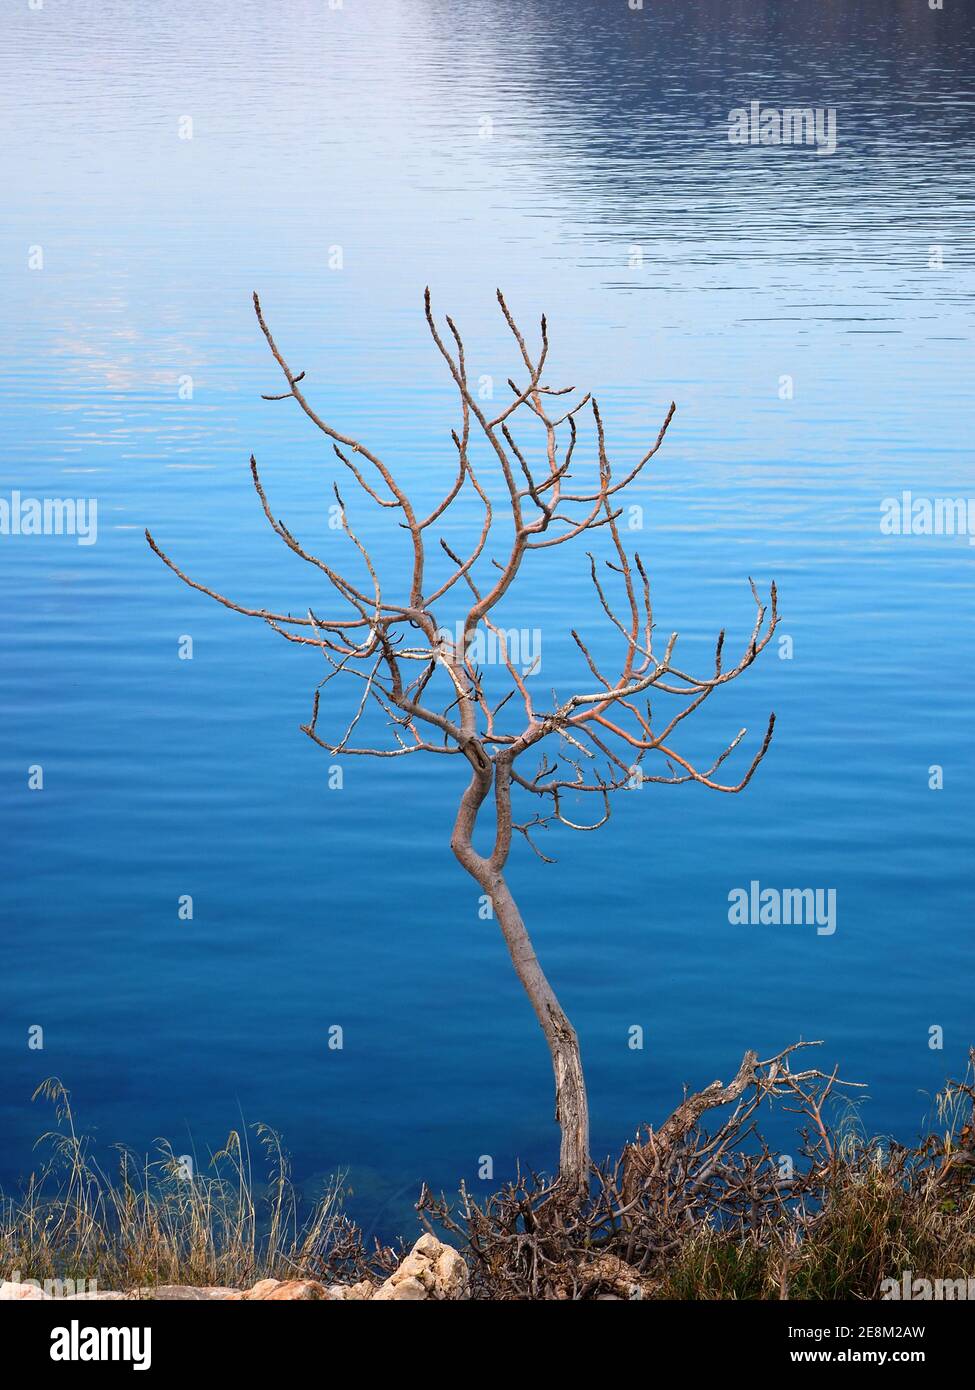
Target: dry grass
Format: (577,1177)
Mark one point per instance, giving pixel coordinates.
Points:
(875,1222)
(152,1224)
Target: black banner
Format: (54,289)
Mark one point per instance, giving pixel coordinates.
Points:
(167,1337)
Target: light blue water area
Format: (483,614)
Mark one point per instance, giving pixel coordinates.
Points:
(576,155)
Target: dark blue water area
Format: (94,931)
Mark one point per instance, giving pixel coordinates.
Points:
(671,265)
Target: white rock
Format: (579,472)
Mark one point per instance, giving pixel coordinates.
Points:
(9,1292)
(406,1290)
(430,1270)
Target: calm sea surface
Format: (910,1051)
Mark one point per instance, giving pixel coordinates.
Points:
(577,156)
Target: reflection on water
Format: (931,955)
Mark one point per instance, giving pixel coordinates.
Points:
(810,314)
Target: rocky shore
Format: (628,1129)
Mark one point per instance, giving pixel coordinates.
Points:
(431,1271)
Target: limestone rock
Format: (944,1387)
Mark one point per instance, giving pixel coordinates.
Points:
(185,1292)
(287,1290)
(431,1270)
(451,1273)
(10,1292)
(352,1293)
(96,1295)
(405,1291)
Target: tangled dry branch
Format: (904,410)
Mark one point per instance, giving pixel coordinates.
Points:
(830,1218)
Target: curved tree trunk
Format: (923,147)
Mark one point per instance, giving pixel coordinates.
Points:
(571,1102)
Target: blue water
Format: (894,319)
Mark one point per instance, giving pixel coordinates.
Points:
(364,128)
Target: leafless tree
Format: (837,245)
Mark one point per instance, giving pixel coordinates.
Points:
(596,740)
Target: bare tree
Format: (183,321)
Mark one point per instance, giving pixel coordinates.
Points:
(597,739)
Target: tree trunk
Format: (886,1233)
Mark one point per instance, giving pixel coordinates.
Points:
(571,1102)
